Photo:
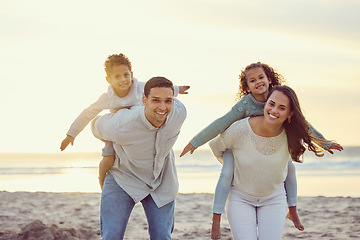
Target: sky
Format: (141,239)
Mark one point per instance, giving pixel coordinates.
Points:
(52,55)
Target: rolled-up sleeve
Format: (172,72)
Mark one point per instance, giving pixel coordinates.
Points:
(103,127)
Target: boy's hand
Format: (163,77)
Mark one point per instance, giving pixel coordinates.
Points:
(183,89)
(66,142)
(188,148)
(335,146)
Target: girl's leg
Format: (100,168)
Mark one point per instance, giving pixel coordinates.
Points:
(291,193)
(222,191)
(291,185)
(271,215)
(241,214)
(224,183)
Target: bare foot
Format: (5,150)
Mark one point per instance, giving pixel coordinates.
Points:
(293,216)
(215,227)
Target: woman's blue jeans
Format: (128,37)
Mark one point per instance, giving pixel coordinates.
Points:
(117,205)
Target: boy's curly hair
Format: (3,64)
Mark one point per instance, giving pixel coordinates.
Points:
(272,75)
(114,60)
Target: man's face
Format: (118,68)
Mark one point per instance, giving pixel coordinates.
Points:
(158,105)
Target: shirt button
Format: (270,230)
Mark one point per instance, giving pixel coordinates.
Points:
(240,109)
(245,102)
(253,107)
(247,112)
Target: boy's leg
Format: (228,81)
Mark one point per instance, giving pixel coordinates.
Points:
(116,207)
(106,163)
(160,220)
(104,166)
(108,149)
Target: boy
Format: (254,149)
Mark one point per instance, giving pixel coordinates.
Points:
(124,91)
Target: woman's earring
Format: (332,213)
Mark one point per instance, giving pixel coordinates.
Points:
(289,119)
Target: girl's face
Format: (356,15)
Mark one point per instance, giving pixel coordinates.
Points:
(258,83)
(277,108)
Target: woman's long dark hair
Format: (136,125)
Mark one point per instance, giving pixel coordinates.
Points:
(297,129)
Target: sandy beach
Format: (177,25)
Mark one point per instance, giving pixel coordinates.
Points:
(44,215)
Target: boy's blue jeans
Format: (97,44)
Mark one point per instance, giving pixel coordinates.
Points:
(116,207)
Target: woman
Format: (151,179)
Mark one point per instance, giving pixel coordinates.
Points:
(262,147)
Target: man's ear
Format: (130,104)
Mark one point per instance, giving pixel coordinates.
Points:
(144,100)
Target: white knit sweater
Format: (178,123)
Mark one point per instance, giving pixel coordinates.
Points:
(260,162)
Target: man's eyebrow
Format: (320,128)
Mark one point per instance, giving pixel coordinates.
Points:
(156,97)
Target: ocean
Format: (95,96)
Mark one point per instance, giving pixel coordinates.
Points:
(331,175)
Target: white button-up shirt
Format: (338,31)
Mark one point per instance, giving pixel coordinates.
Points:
(144,162)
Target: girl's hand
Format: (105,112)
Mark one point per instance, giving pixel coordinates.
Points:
(66,142)
(188,148)
(183,89)
(335,146)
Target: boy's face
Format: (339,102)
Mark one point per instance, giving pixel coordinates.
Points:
(120,79)
(158,105)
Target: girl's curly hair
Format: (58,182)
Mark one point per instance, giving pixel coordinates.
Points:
(272,75)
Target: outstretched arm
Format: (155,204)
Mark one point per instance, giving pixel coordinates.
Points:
(215,128)
(327,146)
(84,118)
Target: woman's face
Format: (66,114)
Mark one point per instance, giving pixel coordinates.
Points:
(277,108)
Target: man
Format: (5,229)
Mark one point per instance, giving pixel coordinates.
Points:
(144,169)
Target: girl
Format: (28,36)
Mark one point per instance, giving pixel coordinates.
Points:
(255,82)
(262,147)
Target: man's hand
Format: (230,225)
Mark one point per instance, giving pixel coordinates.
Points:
(335,146)
(66,142)
(183,89)
(188,148)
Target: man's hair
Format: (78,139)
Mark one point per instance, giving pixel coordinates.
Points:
(115,60)
(157,82)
